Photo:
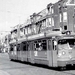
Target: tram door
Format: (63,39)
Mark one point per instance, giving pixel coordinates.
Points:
(18,51)
(15,51)
(30,52)
(54,53)
(49,52)
(24,51)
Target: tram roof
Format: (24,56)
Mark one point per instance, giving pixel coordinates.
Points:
(45,35)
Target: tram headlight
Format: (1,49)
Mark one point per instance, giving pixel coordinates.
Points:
(63,53)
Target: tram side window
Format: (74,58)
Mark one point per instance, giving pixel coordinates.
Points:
(24,47)
(40,46)
(54,45)
(36,46)
(50,45)
(44,46)
(18,47)
(11,48)
(29,46)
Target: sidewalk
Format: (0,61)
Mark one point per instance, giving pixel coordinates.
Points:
(3,73)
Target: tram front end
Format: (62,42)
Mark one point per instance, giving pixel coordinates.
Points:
(66,52)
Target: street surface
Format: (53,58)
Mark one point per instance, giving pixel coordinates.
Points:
(8,67)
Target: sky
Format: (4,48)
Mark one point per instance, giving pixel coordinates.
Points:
(13,12)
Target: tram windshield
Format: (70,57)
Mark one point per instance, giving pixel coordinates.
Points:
(66,44)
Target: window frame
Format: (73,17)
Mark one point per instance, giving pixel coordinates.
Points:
(40,45)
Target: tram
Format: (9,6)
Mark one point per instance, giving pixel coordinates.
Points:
(55,49)
(47,37)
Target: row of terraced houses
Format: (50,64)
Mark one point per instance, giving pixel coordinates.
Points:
(55,17)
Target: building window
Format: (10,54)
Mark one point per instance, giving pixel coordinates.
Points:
(64,16)
(34,28)
(48,22)
(52,10)
(39,27)
(26,30)
(21,32)
(65,27)
(60,17)
(29,30)
(43,24)
(52,21)
(14,35)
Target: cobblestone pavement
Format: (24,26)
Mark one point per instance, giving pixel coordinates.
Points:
(8,67)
